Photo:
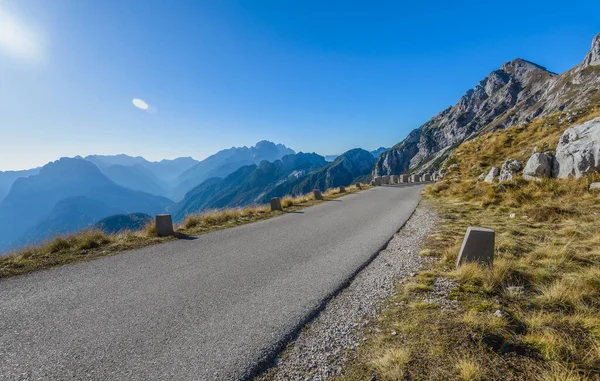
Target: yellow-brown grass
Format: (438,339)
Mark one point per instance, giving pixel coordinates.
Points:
(545,281)
(91,244)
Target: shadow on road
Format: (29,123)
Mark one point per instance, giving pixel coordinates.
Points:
(185,236)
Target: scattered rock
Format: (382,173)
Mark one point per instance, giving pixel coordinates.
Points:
(512,215)
(510,169)
(492,174)
(498,313)
(539,165)
(578,150)
(594,186)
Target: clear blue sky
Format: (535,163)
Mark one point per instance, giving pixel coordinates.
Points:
(323,76)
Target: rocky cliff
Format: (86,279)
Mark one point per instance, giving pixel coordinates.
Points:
(516,93)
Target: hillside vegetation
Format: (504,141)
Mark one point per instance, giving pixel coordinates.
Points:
(536,314)
(94,243)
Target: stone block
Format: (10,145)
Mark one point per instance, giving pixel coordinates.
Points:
(385,180)
(477,246)
(393,179)
(415,178)
(318,195)
(358,186)
(164,225)
(403,178)
(426,177)
(342,189)
(378,181)
(276,204)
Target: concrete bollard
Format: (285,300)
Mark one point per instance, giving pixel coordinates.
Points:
(426,177)
(164,225)
(403,178)
(385,180)
(477,246)
(318,194)
(378,181)
(342,189)
(276,204)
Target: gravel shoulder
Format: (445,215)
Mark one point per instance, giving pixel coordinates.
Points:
(323,346)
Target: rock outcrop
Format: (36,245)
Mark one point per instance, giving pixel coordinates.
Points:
(516,93)
(509,169)
(492,174)
(538,166)
(578,150)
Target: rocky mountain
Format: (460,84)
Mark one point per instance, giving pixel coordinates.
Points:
(103,161)
(121,222)
(378,151)
(227,161)
(68,216)
(166,171)
(247,185)
(346,169)
(65,195)
(137,177)
(7,179)
(516,93)
(375,154)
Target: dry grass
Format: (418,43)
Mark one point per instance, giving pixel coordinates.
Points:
(545,280)
(90,244)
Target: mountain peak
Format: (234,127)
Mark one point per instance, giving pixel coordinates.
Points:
(520,64)
(593,56)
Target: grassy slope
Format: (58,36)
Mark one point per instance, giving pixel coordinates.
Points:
(91,244)
(545,279)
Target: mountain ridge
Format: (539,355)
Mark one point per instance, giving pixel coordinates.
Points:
(517,92)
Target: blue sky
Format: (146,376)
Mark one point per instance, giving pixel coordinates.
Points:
(323,76)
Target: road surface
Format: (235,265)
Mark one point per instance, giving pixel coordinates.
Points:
(214,308)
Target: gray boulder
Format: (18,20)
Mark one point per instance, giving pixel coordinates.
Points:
(578,150)
(492,174)
(509,169)
(539,165)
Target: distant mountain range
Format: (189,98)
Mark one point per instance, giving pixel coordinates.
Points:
(65,196)
(292,175)
(225,162)
(121,222)
(8,178)
(375,154)
(120,191)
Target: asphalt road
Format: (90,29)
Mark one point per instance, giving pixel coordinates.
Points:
(213,308)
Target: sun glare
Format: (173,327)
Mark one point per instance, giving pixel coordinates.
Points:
(17,39)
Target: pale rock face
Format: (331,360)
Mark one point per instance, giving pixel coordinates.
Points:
(539,165)
(492,174)
(578,150)
(516,93)
(593,57)
(510,169)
